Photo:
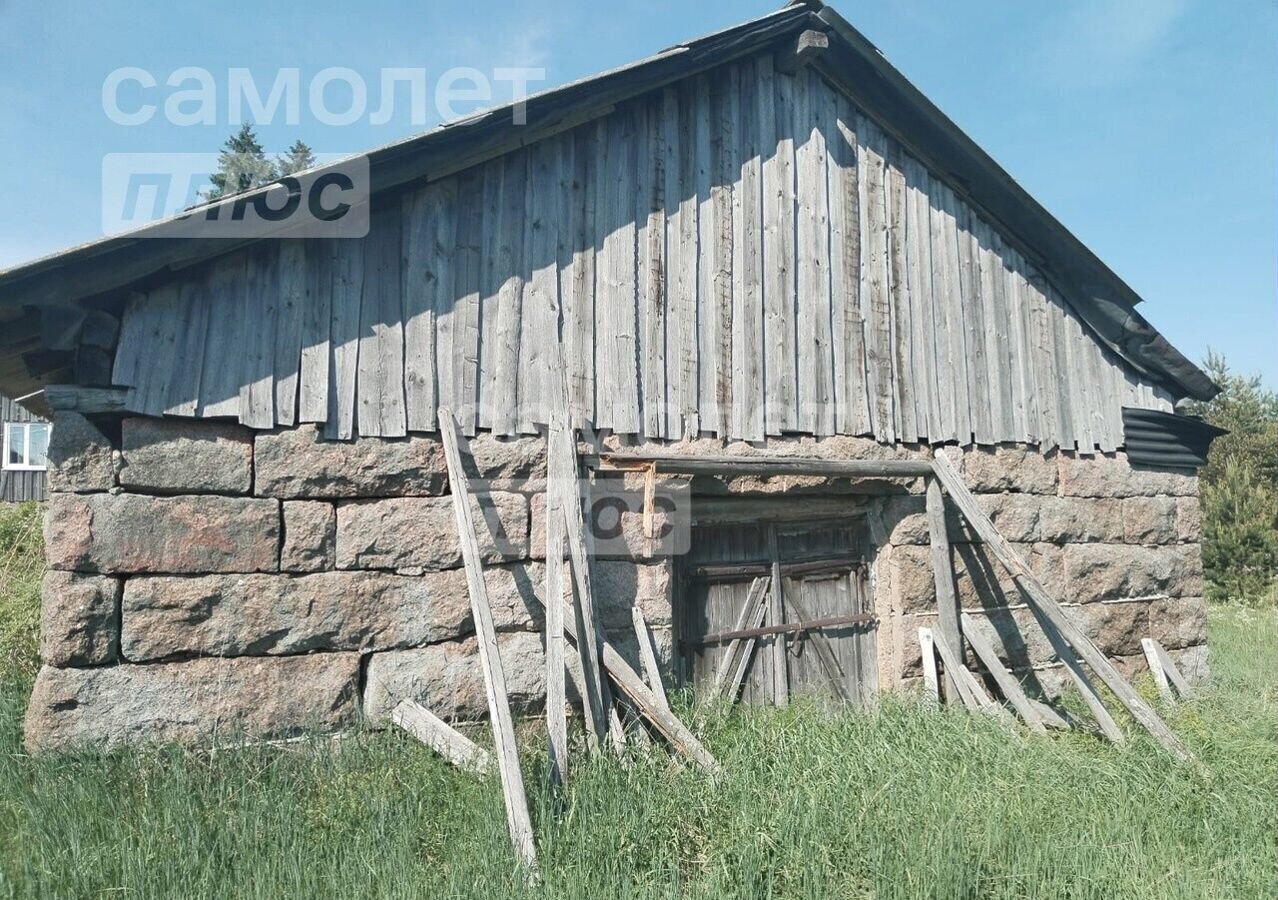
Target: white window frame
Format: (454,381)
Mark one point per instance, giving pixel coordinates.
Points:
(26,447)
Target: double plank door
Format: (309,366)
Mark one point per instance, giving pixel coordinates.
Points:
(778,610)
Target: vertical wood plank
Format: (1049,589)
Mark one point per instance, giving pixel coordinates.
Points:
(1066,414)
(224,348)
(159,358)
(747,295)
(1042,348)
(904,376)
(876,305)
(262,292)
(777,135)
(1025,402)
(312,401)
(184,382)
(725,171)
(650,214)
(617,379)
(540,319)
(978,370)
(380,391)
(995,343)
(845,270)
(293,284)
(430,228)
(681,253)
(927,371)
(504,296)
(464,315)
(931,681)
(342,274)
(958,361)
(707,298)
(512,779)
(1000,327)
(816,342)
(577,285)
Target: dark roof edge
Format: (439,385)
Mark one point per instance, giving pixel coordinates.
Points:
(1097,294)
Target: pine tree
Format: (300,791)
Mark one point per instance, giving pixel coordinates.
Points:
(299,157)
(241,165)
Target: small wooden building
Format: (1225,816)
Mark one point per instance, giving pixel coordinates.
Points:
(763,242)
(26,442)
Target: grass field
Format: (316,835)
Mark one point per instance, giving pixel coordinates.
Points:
(902,802)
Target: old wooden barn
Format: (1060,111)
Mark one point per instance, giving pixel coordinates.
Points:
(762,244)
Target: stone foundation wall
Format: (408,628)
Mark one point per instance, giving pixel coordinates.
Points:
(209,583)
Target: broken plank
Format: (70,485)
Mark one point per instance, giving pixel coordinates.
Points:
(439,736)
(556,696)
(1005,680)
(648,657)
(928,650)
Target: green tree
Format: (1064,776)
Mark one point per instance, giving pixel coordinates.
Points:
(298,157)
(241,165)
(1239,488)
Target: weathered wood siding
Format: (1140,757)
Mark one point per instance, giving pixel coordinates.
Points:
(743,254)
(19,486)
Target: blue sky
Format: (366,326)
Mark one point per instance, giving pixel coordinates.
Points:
(1149,127)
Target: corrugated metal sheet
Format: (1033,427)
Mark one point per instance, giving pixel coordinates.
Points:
(1156,438)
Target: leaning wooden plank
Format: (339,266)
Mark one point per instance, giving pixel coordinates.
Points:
(512,779)
(752,614)
(1156,669)
(1169,669)
(1050,717)
(648,657)
(954,673)
(1005,680)
(1050,609)
(1065,653)
(439,736)
(943,572)
(927,648)
(646,704)
(556,696)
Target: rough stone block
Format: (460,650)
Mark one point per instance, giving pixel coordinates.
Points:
(180,456)
(397,533)
(619,585)
(1113,571)
(618,532)
(1014,515)
(1187,580)
(1071,520)
(81,458)
(1178,622)
(299,463)
(1002,469)
(913,583)
(1116,628)
(447,678)
(79,619)
(1113,476)
(199,700)
(1149,520)
(254,615)
(127,533)
(1189,519)
(1193,662)
(310,536)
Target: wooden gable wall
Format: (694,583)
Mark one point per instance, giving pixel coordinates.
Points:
(743,254)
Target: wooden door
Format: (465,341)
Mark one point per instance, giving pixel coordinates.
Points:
(822,580)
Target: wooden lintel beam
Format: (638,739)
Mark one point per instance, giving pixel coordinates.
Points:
(86,399)
(683,464)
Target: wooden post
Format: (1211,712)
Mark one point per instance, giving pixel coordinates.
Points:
(1164,670)
(943,573)
(1043,602)
(1005,680)
(556,695)
(512,779)
(648,658)
(776,616)
(928,649)
(1065,653)
(954,668)
(435,733)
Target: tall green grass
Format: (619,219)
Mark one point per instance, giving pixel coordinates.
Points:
(902,802)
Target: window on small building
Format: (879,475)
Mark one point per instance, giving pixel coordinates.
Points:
(26,446)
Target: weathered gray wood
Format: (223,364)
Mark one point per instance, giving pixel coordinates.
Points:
(1156,669)
(556,695)
(512,779)
(650,216)
(1006,681)
(853,412)
(1043,350)
(1044,603)
(439,736)
(261,304)
(648,658)
(776,617)
(947,604)
(87,400)
(540,319)
(806,47)
(430,228)
(956,674)
(927,371)
(1069,659)
(616,350)
(290,311)
(903,325)
(504,285)
(708,361)
(577,275)
(128,352)
(927,648)
(748,392)
(1066,415)
(825,653)
(380,388)
(1021,323)
(953,323)
(681,250)
(464,325)
(725,169)
(1165,670)
(715,464)
(344,275)
(161,349)
(184,388)
(313,377)
(1050,717)
(224,350)
(817,398)
(1000,335)
(978,369)
(736,658)
(777,129)
(876,304)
